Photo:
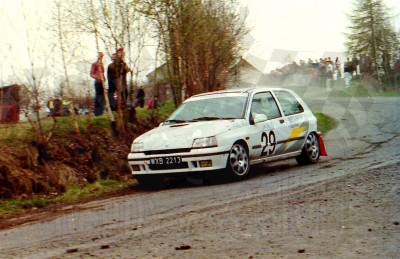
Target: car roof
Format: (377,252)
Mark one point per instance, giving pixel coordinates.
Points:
(243,90)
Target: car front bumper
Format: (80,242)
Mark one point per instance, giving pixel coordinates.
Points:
(204,159)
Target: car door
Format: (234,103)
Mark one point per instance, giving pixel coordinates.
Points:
(268,129)
(296,125)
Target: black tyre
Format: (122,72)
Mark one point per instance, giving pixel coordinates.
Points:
(310,153)
(238,164)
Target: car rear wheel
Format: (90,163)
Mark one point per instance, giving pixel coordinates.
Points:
(310,153)
(238,165)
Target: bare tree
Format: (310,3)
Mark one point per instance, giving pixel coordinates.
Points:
(201,40)
(113,24)
(33,80)
(59,19)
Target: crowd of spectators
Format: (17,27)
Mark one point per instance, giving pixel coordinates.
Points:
(325,72)
(321,72)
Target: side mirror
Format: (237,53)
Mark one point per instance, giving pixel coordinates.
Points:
(260,118)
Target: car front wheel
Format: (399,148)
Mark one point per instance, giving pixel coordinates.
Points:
(238,164)
(310,153)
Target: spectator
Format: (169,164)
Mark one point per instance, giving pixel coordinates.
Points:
(355,66)
(155,102)
(329,75)
(322,72)
(57,106)
(97,73)
(112,82)
(397,70)
(123,70)
(348,70)
(116,73)
(140,97)
(50,105)
(66,107)
(338,66)
(150,103)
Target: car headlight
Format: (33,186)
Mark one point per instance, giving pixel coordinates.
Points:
(137,146)
(205,142)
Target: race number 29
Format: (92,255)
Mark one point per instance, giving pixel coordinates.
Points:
(268,139)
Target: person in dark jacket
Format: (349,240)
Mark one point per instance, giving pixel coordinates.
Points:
(117,73)
(112,75)
(140,97)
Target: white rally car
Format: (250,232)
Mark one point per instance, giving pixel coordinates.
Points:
(230,130)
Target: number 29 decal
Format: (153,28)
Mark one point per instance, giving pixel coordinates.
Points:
(268,140)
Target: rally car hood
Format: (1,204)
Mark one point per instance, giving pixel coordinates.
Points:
(176,136)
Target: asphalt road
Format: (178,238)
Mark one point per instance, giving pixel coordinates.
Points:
(347,205)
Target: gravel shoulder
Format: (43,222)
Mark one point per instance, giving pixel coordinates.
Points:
(355,215)
(352,216)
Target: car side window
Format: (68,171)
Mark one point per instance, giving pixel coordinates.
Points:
(264,103)
(289,103)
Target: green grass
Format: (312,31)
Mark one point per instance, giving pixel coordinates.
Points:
(17,135)
(163,111)
(74,193)
(15,206)
(325,123)
(91,190)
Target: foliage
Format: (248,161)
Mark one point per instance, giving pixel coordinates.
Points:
(371,34)
(200,40)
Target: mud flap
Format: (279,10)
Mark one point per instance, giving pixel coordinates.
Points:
(322,150)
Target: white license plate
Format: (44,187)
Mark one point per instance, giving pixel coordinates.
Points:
(170,160)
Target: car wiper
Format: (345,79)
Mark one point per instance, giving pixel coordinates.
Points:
(213,118)
(176,121)
(206,119)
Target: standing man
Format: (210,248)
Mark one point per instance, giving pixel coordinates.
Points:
(140,97)
(348,70)
(123,70)
(329,75)
(50,105)
(112,82)
(117,81)
(97,73)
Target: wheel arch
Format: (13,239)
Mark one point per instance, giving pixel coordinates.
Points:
(244,143)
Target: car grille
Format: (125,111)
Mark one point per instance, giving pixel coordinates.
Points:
(182,165)
(166,151)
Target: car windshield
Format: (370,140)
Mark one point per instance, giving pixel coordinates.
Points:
(210,107)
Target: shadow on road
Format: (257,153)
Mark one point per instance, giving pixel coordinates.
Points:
(217,177)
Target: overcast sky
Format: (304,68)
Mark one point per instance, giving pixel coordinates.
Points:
(302,25)
(298,25)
